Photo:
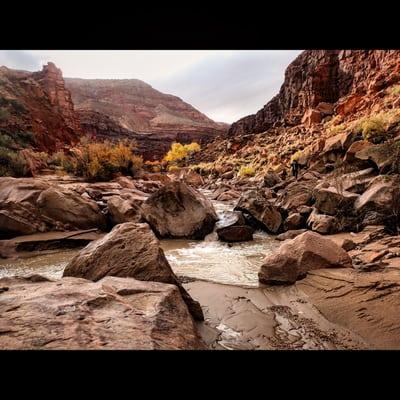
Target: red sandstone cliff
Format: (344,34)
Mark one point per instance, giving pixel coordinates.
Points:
(39,103)
(344,79)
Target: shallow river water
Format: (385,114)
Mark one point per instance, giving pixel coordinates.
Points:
(209,259)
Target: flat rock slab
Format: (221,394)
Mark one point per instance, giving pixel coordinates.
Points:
(74,313)
(29,245)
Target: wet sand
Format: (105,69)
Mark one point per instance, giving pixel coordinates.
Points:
(367,303)
(266,318)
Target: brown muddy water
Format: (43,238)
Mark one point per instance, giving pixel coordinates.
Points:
(207,260)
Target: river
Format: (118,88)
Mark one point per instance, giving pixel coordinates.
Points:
(208,260)
(239,314)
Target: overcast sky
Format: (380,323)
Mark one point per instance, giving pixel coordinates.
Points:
(226,85)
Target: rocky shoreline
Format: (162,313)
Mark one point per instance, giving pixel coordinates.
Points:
(360,277)
(304,253)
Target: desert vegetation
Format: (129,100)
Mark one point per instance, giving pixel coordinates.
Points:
(179,153)
(97,161)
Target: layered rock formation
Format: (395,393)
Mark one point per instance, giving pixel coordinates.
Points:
(38,103)
(316,80)
(113,313)
(30,206)
(115,108)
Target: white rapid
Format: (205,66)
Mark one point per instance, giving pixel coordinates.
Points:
(209,259)
(215,261)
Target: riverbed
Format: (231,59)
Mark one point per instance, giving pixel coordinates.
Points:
(239,312)
(206,260)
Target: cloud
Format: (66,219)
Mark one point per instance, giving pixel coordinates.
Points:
(230,87)
(223,84)
(20,59)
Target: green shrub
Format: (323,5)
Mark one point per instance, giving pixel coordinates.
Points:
(373,129)
(17,106)
(24,139)
(395,90)
(99,161)
(296,156)
(4,114)
(12,163)
(5,140)
(246,170)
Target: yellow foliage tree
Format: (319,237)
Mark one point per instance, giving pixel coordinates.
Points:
(178,151)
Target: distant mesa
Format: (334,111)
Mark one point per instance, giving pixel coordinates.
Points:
(58,111)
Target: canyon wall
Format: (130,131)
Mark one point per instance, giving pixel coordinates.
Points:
(341,78)
(38,103)
(117,108)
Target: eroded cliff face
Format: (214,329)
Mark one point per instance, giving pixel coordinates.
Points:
(38,103)
(344,79)
(132,108)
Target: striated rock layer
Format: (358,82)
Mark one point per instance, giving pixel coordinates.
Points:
(38,103)
(318,78)
(113,313)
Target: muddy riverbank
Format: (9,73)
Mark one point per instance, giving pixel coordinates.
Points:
(329,309)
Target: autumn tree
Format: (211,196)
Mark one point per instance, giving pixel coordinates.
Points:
(179,152)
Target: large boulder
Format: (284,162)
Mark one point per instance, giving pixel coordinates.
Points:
(259,211)
(333,201)
(113,313)
(235,233)
(340,142)
(325,108)
(125,208)
(290,234)
(271,179)
(294,221)
(179,211)
(27,245)
(380,202)
(380,156)
(297,194)
(192,178)
(29,206)
(357,181)
(295,257)
(70,209)
(230,218)
(311,117)
(321,223)
(351,154)
(229,195)
(129,250)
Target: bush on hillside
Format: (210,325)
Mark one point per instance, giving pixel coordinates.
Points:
(296,156)
(373,129)
(179,152)
(154,166)
(13,163)
(173,168)
(4,114)
(246,170)
(99,161)
(395,90)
